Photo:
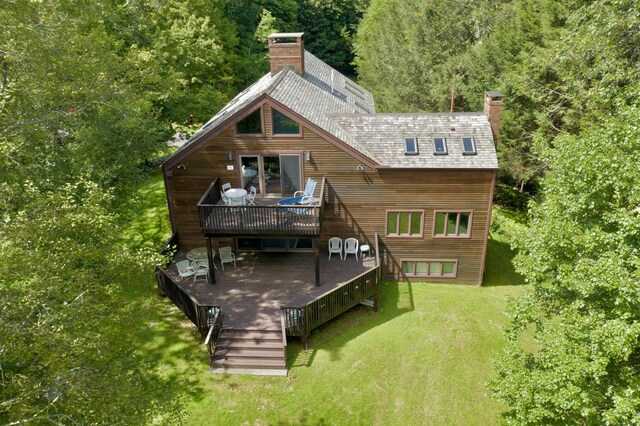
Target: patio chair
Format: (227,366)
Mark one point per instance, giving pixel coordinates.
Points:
(249,199)
(227,256)
(308,189)
(301,197)
(335,246)
(350,247)
(184,269)
(226,187)
(200,269)
(224,197)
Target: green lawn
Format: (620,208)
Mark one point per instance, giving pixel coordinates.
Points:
(422,359)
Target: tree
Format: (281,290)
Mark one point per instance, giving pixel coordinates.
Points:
(573,347)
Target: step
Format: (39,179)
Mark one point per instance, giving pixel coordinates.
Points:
(246,353)
(249,344)
(251,371)
(251,335)
(249,363)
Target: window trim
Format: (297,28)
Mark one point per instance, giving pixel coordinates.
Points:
(473,144)
(409,235)
(444,142)
(415,144)
(245,115)
(457,234)
(428,262)
(283,135)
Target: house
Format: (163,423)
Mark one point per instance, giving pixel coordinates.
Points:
(416,188)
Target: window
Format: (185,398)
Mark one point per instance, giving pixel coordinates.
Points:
(430,268)
(251,124)
(468,146)
(440,146)
(283,125)
(405,224)
(452,224)
(411,146)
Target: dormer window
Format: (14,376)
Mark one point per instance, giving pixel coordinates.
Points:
(411,146)
(439,146)
(251,124)
(468,146)
(283,125)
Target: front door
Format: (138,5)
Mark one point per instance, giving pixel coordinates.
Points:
(272,175)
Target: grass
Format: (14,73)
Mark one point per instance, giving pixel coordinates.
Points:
(422,359)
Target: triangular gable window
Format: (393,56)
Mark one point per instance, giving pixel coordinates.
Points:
(283,125)
(251,124)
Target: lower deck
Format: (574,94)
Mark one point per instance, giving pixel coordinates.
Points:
(251,294)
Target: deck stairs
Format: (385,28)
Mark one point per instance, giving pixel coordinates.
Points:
(250,351)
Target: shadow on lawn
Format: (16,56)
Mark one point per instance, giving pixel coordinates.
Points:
(395,299)
(499,270)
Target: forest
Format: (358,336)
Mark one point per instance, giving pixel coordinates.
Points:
(91,91)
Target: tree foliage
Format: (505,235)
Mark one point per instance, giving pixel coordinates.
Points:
(417,56)
(573,351)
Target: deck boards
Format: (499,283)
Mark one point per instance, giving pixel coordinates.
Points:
(251,294)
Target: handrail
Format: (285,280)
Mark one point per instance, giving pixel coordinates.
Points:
(377,250)
(213,325)
(208,194)
(282,326)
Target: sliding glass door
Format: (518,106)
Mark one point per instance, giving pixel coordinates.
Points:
(276,175)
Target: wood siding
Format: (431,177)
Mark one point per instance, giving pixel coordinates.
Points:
(356,201)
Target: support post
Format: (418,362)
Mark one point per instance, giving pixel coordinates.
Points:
(316,250)
(212,266)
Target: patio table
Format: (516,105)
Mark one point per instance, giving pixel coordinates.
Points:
(198,254)
(236,196)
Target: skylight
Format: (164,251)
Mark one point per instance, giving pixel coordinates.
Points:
(411,146)
(440,146)
(468,146)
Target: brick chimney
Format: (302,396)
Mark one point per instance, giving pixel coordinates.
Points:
(286,50)
(493,102)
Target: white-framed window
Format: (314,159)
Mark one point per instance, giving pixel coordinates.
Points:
(468,145)
(411,146)
(440,146)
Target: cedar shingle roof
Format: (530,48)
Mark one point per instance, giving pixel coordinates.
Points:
(346,110)
(383,136)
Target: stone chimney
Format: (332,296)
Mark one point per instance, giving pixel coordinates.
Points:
(493,102)
(286,50)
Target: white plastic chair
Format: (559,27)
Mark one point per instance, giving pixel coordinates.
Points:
(350,247)
(224,197)
(249,199)
(335,246)
(200,269)
(226,187)
(227,256)
(184,269)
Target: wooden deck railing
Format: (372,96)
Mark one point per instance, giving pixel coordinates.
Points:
(222,220)
(207,318)
(301,320)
